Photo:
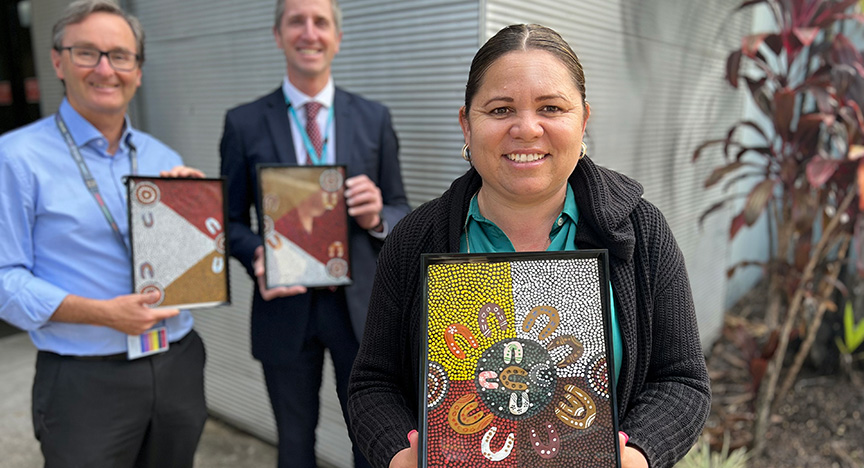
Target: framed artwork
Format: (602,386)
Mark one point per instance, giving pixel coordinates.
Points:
(177,230)
(517,356)
(305,225)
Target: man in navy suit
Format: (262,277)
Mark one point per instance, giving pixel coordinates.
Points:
(291,326)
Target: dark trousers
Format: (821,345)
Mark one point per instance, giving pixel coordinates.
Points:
(294,387)
(117,413)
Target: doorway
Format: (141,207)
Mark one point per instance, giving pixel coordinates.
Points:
(19,87)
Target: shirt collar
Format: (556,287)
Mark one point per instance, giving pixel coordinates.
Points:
(298,99)
(570,210)
(84,133)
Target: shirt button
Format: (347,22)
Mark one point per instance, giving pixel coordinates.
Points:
(560,221)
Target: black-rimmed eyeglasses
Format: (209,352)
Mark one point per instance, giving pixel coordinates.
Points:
(89,57)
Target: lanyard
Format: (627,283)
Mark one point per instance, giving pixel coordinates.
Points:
(317,159)
(89,181)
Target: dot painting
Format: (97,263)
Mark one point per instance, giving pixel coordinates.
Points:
(517,369)
(305,235)
(177,234)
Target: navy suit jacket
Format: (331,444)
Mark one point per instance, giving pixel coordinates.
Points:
(259,132)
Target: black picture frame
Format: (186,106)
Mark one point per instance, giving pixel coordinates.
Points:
(477,306)
(178,244)
(303,223)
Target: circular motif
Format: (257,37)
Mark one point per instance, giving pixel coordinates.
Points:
(271,203)
(337,267)
(330,180)
(268,225)
(437,384)
(147,193)
(220,243)
(147,288)
(515,378)
(598,375)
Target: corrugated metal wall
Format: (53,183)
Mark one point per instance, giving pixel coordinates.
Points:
(655,83)
(45,14)
(205,57)
(654,77)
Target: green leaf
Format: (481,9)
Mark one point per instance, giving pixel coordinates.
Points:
(842,347)
(853,332)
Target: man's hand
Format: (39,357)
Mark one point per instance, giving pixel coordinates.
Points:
(132,315)
(278,291)
(407,458)
(364,201)
(183,171)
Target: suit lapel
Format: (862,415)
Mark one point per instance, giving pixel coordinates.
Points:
(279,127)
(344,128)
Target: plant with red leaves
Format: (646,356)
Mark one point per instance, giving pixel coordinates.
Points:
(805,159)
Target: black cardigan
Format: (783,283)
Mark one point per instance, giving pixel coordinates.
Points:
(663,390)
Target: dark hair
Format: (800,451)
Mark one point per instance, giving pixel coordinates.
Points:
(78,11)
(280,12)
(522,37)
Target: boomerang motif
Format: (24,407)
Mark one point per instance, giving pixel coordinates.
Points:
(578,411)
(576,349)
(483,318)
(336,249)
(547,450)
(486,449)
(516,408)
(513,350)
(463,421)
(450,339)
(483,379)
(536,313)
(511,372)
(535,376)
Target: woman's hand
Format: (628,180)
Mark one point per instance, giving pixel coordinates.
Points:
(407,458)
(631,457)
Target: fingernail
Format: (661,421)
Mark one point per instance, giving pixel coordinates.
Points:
(413,431)
(626,437)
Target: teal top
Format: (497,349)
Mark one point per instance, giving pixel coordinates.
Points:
(483,236)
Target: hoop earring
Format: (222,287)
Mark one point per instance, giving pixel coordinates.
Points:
(584,151)
(466,153)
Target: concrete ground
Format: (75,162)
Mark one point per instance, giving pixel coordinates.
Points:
(221,445)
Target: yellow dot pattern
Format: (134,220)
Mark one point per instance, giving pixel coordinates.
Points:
(456,295)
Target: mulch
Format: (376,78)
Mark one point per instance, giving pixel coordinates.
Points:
(819,424)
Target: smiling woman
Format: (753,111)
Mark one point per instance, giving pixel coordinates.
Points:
(525,128)
(533,188)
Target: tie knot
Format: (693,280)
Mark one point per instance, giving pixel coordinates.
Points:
(312,109)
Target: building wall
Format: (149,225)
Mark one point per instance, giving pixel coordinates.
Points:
(654,80)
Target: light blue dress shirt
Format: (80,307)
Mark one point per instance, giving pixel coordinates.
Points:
(56,241)
(487,237)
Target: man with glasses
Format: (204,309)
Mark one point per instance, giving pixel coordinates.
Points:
(100,397)
(308,120)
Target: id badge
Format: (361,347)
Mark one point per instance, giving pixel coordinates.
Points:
(151,342)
